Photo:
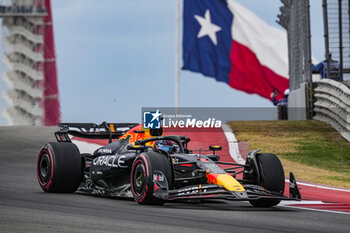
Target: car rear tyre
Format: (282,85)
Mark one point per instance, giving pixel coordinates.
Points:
(142,185)
(59,167)
(271,178)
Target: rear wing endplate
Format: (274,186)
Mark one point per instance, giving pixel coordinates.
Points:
(92,131)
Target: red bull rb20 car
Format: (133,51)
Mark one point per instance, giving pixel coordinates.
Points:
(154,169)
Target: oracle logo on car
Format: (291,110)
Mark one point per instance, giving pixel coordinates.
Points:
(110,161)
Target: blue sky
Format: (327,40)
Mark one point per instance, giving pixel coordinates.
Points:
(116,56)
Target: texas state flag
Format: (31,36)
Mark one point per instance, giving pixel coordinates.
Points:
(224,40)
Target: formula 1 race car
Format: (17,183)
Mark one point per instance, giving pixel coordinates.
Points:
(154,169)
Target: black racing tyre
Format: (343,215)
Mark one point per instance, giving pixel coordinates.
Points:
(142,176)
(59,167)
(271,178)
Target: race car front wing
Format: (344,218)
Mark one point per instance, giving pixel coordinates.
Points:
(213,191)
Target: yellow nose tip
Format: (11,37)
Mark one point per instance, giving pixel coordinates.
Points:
(229,183)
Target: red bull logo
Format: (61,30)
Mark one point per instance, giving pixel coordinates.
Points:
(138,133)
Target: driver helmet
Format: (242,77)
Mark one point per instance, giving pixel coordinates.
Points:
(164,145)
(286,92)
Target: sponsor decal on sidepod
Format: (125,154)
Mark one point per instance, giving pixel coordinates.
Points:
(110,161)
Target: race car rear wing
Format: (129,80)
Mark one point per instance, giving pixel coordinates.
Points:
(92,131)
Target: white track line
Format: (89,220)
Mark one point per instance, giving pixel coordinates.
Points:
(302,202)
(233,144)
(289,204)
(319,210)
(321,186)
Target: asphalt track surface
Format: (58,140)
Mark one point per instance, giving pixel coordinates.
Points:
(24,207)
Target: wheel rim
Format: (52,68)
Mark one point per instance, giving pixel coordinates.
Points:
(139,179)
(44,168)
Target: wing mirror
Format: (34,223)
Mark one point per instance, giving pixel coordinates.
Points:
(215,148)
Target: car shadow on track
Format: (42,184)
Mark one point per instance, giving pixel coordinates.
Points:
(219,205)
(222,205)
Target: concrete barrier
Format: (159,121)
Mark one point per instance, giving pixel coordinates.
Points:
(332,105)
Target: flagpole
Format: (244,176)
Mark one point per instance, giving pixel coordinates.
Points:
(177,58)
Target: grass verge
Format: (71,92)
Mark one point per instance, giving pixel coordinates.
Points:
(313,150)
